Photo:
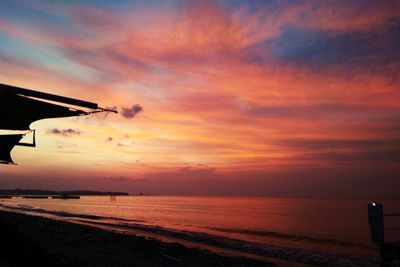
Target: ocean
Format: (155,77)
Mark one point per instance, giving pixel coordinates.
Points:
(325,225)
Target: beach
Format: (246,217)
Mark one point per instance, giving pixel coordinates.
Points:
(37,241)
(195,231)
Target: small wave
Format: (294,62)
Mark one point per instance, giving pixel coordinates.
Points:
(290,237)
(64,214)
(267,250)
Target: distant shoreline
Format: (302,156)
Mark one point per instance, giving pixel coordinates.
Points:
(38,192)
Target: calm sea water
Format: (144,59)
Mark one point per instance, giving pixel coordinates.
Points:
(276,220)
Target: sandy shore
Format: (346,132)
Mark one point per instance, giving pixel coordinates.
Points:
(36,241)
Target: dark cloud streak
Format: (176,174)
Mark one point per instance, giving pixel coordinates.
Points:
(360,112)
(64,132)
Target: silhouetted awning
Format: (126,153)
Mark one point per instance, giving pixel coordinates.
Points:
(7,143)
(19,107)
(18,112)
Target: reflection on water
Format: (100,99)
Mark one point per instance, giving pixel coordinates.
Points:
(247,218)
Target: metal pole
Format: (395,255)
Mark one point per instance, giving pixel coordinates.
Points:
(375,220)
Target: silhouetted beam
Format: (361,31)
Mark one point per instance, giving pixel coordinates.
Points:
(61,99)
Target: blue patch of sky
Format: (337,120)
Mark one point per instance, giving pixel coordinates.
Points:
(120,4)
(300,45)
(319,48)
(256,5)
(304,45)
(19,13)
(49,57)
(252,5)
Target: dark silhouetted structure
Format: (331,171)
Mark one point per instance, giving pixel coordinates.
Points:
(389,251)
(20,107)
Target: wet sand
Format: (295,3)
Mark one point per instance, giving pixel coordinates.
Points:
(37,241)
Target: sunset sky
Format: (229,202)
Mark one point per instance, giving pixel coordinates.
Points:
(275,98)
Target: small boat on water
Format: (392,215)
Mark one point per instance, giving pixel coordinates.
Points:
(66,197)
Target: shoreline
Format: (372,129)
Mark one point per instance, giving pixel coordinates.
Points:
(38,241)
(226,249)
